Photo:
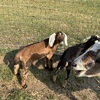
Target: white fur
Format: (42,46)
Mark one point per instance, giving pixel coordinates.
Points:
(52,39)
(60,33)
(65,40)
(82,73)
(98,36)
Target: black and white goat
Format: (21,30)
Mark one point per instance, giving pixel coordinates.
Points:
(88,64)
(32,52)
(70,54)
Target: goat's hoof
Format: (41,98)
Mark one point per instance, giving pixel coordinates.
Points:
(54,78)
(47,68)
(24,86)
(16,73)
(64,83)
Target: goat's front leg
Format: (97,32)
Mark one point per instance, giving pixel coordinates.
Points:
(49,64)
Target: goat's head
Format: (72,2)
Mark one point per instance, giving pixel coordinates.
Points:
(92,38)
(59,37)
(85,62)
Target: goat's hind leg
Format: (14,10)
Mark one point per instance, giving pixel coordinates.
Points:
(56,72)
(68,70)
(16,68)
(25,74)
(66,79)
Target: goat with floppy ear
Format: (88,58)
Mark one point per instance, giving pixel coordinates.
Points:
(32,52)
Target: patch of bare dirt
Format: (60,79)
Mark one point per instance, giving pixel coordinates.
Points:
(1,60)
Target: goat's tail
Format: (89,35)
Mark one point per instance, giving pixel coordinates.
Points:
(16,65)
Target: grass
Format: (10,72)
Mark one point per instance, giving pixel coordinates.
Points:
(6,73)
(16,94)
(25,21)
(22,18)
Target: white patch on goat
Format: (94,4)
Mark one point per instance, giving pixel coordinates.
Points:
(60,33)
(98,36)
(61,43)
(66,63)
(96,46)
(90,75)
(82,74)
(79,66)
(52,39)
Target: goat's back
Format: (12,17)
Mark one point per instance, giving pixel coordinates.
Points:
(72,52)
(37,50)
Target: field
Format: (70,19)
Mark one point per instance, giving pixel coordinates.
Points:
(26,21)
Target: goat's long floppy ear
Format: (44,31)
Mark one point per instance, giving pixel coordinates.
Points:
(65,40)
(52,39)
(87,38)
(98,36)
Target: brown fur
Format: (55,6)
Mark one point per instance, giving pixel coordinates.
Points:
(88,57)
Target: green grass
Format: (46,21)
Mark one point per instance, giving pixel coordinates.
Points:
(44,17)
(16,94)
(26,21)
(5,73)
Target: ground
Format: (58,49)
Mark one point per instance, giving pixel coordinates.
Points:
(40,85)
(25,21)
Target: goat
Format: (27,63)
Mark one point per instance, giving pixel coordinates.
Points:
(88,64)
(32,52)
(70,54)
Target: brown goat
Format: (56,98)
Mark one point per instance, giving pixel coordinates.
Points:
(30,53)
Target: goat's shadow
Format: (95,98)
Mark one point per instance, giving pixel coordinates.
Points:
(9,61)
(74,84)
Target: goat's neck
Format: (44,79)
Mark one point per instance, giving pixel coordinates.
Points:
(88,44)
(54,46)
